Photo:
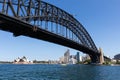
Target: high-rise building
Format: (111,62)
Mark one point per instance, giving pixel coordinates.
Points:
(66,56)
(78,57)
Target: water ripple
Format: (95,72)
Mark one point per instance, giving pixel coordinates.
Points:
(58,72)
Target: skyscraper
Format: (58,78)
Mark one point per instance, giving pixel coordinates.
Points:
(78,57)
(66,56)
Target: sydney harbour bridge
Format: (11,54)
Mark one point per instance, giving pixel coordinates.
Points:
(41,20)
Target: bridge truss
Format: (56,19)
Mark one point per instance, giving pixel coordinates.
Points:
(47,17)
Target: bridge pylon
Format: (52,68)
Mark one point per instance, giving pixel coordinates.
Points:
(101,56)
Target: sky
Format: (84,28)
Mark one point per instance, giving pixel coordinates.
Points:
(101,18)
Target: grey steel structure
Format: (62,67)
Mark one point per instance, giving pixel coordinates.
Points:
(41,20)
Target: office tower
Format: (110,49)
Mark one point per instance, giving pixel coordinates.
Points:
(78,57)
(66,56)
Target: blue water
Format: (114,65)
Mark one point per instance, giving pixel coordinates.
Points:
(58,72)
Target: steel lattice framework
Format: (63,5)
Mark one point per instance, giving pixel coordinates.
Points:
(45,16)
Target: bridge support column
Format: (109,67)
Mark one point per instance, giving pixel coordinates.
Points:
(101,56)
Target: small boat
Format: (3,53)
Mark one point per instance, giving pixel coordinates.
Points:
(64,64)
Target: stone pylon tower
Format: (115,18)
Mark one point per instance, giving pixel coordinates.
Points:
(101,56)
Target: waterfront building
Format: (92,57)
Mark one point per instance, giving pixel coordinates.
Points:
(22,60)
(86,57)
(72,61)
(116,58)
(53,62)
(113,60)
(61,60)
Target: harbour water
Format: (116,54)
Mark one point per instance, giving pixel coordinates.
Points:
(58,72)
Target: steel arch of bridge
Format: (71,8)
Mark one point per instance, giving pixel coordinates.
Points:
(42,15)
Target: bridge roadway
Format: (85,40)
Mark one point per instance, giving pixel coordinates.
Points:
(18,27)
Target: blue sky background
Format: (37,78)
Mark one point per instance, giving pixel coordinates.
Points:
(101,18)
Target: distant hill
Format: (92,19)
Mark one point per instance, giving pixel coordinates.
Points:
(117,57)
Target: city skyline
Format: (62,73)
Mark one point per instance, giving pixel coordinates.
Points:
(100,18)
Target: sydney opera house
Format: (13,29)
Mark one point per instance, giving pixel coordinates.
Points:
(22,60)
